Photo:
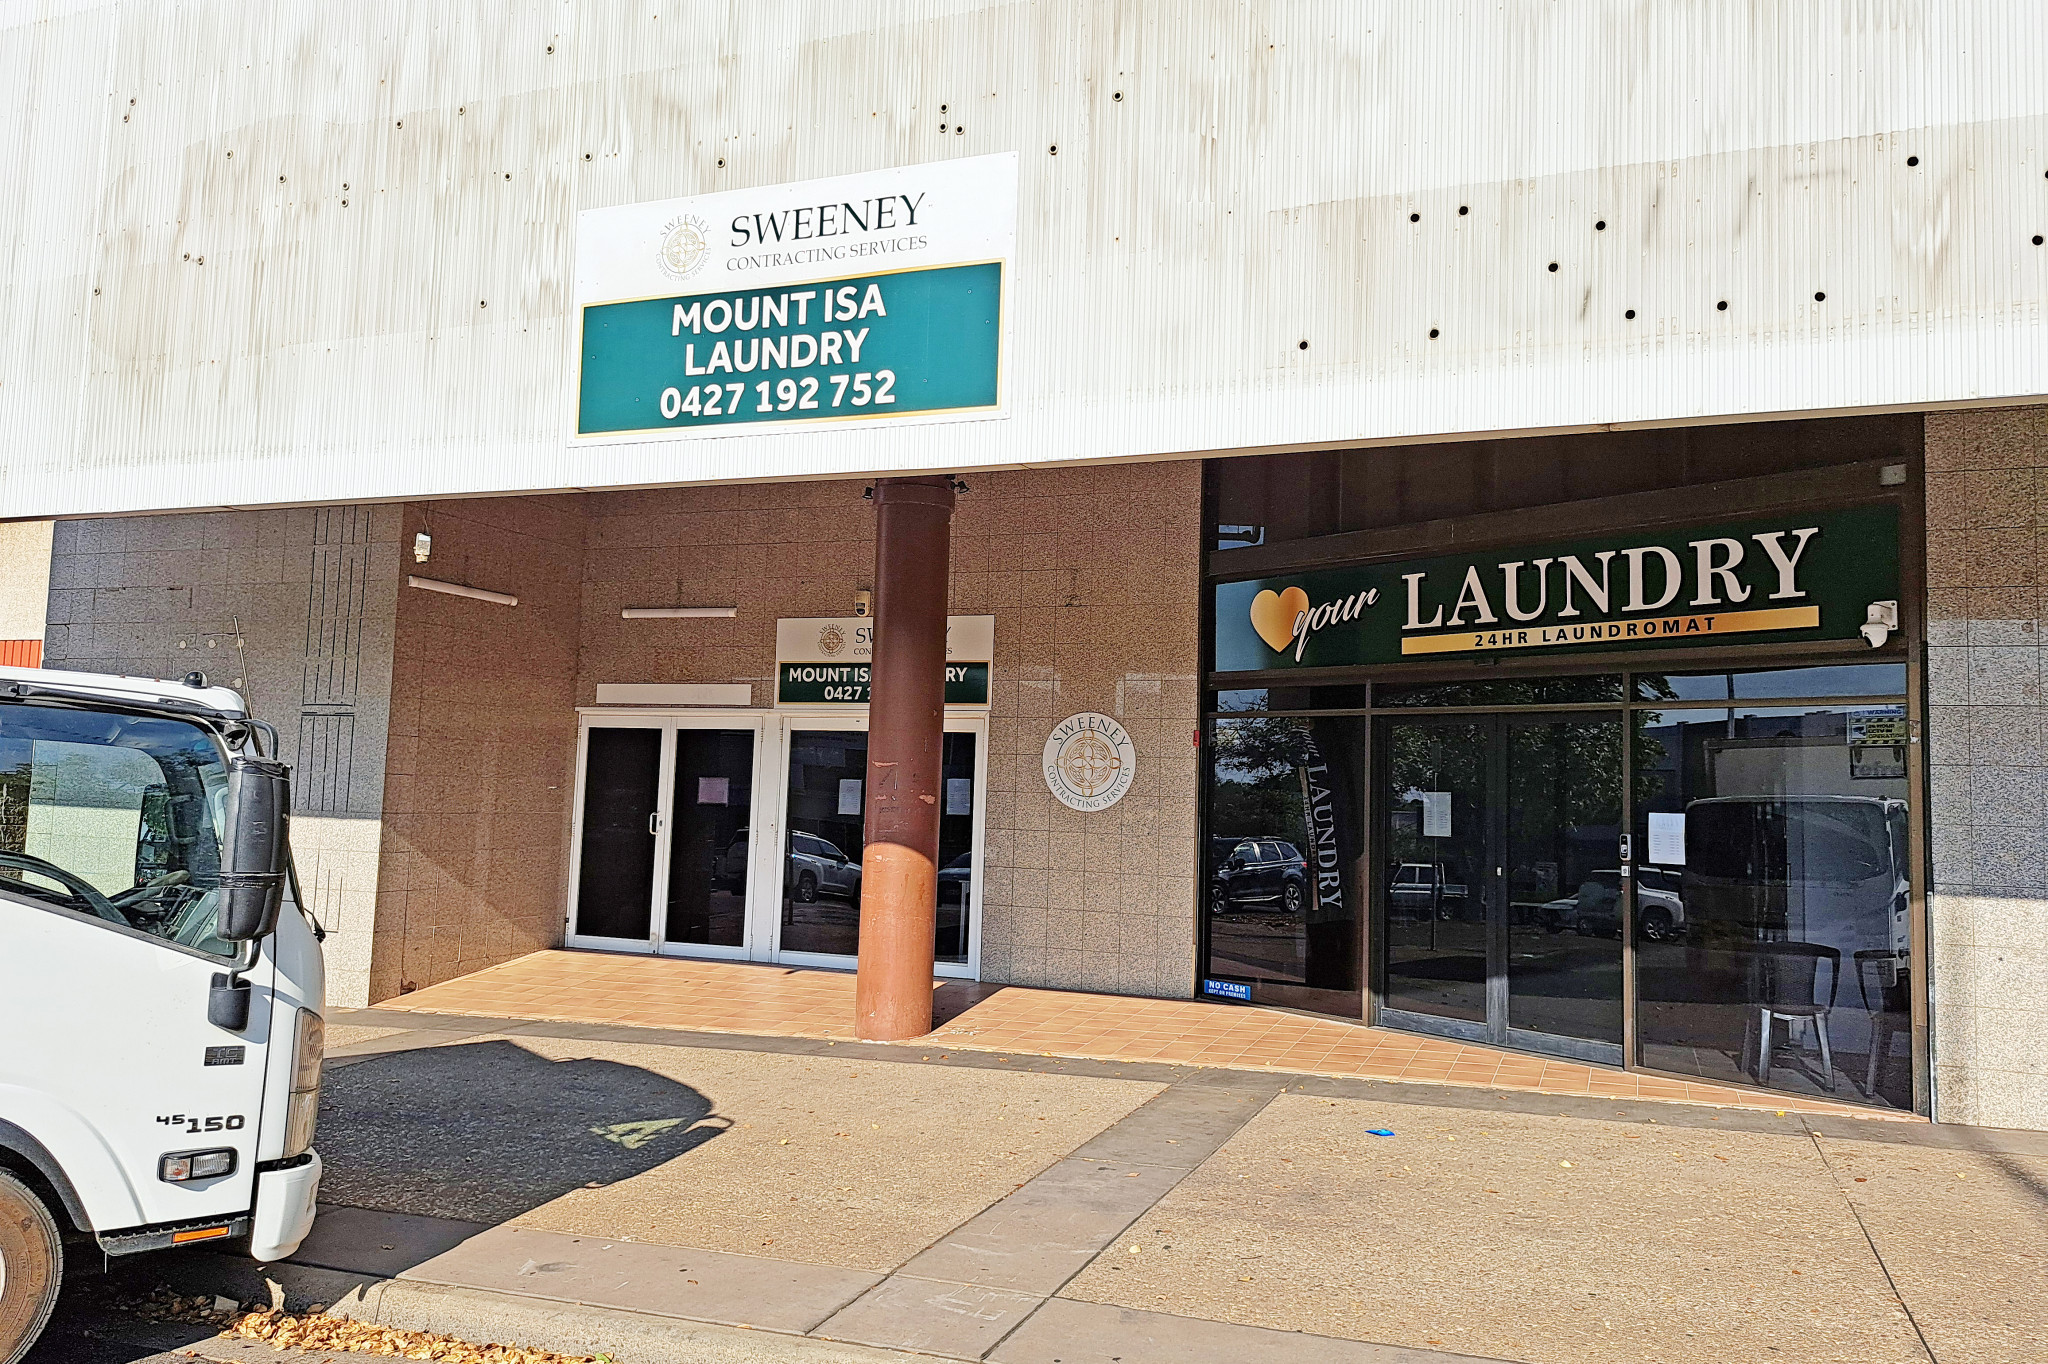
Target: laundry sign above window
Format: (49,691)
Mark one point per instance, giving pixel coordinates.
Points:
(1803,577)
(823,661)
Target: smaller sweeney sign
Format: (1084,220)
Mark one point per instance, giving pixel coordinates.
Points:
(1809,576)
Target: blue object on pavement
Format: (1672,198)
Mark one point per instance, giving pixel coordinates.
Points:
(1379,1131)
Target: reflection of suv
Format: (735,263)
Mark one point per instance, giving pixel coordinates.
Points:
(730,868)
(1415,886)
(1595,911)
(1261,873)
(817,867)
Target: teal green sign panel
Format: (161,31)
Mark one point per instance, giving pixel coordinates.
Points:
(841,684)
(860,347)
(1800,577)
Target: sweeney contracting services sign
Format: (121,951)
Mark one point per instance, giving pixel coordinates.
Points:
(1811,576)
(856,299)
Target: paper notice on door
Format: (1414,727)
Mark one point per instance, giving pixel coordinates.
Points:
(849,795)
(1436,813)
(714,790)
(1667,840)
(959,795)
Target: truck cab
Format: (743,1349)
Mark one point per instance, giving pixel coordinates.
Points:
(162,1003)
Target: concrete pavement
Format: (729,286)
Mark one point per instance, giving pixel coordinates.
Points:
(770,1195)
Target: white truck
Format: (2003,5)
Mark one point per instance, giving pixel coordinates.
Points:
(160,1019)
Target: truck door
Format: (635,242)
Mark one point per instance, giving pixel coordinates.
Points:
(110,859)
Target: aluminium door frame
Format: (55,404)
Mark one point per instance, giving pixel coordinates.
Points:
(855,719)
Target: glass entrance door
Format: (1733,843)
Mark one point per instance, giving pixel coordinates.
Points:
(662,855)
(823,837)
(1502,906)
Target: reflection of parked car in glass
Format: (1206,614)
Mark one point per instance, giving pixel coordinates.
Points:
(1595,911)
(1260,873)
(956,879)
(1414,891)
(729,869)
(817,867)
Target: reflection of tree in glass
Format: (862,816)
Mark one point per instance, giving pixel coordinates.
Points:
(1508,691)
(1257,792)
(1562,773)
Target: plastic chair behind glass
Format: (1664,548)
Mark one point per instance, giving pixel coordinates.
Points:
(1785,984)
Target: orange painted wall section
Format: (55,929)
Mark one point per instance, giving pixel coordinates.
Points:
(21,653)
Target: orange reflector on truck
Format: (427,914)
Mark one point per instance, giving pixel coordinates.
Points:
(179,1238)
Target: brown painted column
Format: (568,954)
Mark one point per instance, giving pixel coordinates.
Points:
(899,880)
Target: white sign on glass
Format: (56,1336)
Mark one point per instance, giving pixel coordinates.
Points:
(849,795)
(1436,813)
(1667,839)
(714,790)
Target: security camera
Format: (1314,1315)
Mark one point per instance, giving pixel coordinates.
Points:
(863,603)
(1880,618)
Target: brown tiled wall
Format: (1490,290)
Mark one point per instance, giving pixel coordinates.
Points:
(1987,573)
(478,783)
(1093,576)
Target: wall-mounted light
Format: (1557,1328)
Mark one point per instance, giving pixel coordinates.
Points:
(422,547)
(679,612)
(458,590)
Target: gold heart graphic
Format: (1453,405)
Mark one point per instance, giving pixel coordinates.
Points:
(1274,613)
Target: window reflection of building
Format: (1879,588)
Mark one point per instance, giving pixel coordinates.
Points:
(1790,967)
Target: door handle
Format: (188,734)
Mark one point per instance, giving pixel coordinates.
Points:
(654,824)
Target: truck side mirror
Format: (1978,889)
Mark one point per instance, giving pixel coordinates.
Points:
(252,862)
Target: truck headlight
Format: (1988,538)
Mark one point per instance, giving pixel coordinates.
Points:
(302,1110)
(180,1166)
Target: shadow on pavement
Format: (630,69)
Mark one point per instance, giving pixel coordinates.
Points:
(478,1133)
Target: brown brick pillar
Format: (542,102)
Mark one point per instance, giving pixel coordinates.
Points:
(906,734)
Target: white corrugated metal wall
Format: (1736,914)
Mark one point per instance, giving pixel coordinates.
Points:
(302,252)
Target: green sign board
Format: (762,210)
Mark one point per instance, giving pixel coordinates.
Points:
(846,684)
(1802,577)
(914,341)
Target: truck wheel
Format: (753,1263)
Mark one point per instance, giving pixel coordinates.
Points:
(31,1267)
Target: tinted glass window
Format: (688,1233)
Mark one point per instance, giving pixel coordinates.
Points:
(1284,790)
(1858,679)
(117,818)
(1505,691)
(1781,834)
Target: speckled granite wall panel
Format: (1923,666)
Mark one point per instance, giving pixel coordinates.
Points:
(1987,544)
(295,610)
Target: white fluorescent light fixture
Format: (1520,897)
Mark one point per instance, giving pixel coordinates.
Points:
(679,613)
(458,590)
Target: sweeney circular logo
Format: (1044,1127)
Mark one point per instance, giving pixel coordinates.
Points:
(685,243)
(831,639)
(1090,762)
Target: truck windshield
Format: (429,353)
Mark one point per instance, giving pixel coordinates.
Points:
(114,817)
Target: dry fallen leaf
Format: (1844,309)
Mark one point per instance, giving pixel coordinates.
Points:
(313,1332)
(309,1333)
